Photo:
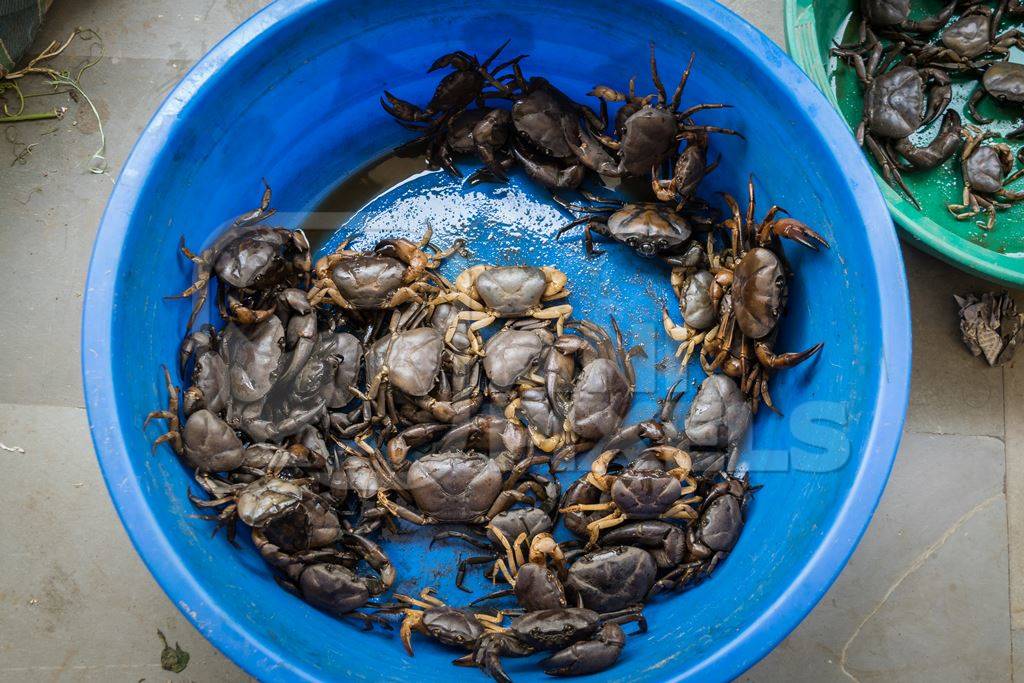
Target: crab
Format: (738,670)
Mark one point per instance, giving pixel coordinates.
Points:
(511,359)
(897,103)
(249,261)
(456,91)
(411,375)
(699,292)
(364,476)
(589,383)
(986,171)
(447,625)
(280,379)
(543,424)
(328,580)
(1003,82)
(582,492)
(971,37)
(206,442)
(493,292)
(483,132)
(523,523)
(544,117)
(894,16)
(718,417)
(535,584)
(612,578)
(603,390)
(640,493)
(289,514)
(393,273)
(716,531)
(689,169)
(650,229)
(752,269)
(583,641)
(459,486)
(648,133)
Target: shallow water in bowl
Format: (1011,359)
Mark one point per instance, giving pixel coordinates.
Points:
(941,186)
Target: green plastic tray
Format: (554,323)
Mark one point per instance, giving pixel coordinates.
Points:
(811,26)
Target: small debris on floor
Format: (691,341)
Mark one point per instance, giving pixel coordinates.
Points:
(172,659)
(11,449)
(990,326)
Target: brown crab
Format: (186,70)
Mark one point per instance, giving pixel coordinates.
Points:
(753,271)
(640,492)
(493,292)
(393,273)
(986,172)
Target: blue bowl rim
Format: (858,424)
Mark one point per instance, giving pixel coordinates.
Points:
(270,663)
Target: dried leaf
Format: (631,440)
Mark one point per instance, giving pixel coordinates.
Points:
(990,326)
(172,659)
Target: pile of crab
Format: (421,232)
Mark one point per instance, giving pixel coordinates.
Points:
(337,402)
(907,65)
(554,139)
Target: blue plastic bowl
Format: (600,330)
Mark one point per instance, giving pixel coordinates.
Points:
(292,95)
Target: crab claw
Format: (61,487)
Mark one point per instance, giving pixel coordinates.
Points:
(402,110)
(793,229)
(783,360)
(458,59)
(607,94)
(588,656)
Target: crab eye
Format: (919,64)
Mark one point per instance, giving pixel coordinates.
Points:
(632,241)
(662,244)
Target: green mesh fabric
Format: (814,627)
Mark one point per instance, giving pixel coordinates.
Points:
(19,22)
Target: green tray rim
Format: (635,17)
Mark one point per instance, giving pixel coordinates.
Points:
(802,45)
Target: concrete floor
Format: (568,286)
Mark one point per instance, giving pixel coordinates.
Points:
(935,592)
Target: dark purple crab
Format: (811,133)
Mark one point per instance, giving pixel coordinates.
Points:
(647,132)
(583,641)
(251,263)
(971,42)
(897,103)
(1004,83)
(463,487)
(456,91)
(649,228)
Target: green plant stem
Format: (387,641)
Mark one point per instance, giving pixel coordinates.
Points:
(41,116)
